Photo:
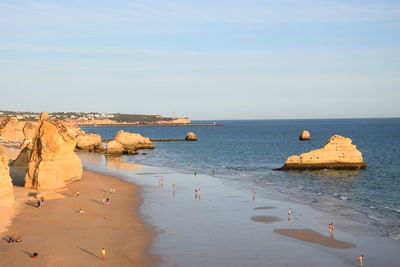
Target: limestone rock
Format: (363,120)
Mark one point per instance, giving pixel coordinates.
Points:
(22,160)
(305,135)
(53,162)
(11,129)
(190,136)
(338,153)
(29,129)
(90,142)
(114,147)
(6,188)
(133,140)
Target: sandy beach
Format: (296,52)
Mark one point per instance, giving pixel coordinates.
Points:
(64,237)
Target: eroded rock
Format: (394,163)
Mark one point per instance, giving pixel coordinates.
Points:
(6,188)
(90,142)
(53,162)
(338,153)
(190,136)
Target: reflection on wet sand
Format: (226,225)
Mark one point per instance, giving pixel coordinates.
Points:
(117,163)
(265,219)
(314,237)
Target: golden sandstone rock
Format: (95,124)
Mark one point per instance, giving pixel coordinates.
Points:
(90,142)
(133,140)
(305,135)
(6,188)
(11,129)
(53,162)
(338,153)
(190,136)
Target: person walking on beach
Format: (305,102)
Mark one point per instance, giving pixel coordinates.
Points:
(360,260)
(289,212)
(331,229)
(103,253)
(107,200)
(254,194)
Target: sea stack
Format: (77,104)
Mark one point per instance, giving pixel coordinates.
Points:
(53,162)
(128,143)
(6,188)
(90,142)
(305,136)
(338,153)
(190,136)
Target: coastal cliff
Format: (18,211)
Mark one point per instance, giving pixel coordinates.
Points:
(6,188)
(337,153)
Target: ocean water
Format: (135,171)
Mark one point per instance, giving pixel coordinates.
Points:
(244,154)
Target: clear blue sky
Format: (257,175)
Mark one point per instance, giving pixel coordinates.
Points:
(209,59)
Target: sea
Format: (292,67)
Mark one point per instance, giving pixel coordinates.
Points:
(244,154)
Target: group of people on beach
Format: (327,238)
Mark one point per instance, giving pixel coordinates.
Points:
(14,240)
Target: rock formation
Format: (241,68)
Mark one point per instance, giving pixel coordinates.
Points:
(114,147)
(22,160)
(133,140)
(338,153)
(128,143)
(305,135)
(29,130)
(6,188)
(11,129)
(53,162)
(190,136)
(90,142)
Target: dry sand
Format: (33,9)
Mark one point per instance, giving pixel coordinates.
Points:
(63,237)
(314,237)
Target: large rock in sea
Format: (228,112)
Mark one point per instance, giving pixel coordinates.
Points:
(6,188)
(11,129)
(338,153)
(133,140)
(114,147)
(90,142)
(190,136)
(53,162)
(305,135)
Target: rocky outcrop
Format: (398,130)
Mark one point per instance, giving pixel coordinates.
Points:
(11,129)
(6,188)
(29,129)
(338,153)
(90,142)
(128,143)
(114,147)
(53,162)
(133,140)
(22,160)
(305,135)
(190,136)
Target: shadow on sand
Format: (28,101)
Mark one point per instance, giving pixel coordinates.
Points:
(90,253)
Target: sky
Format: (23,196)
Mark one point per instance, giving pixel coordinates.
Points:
(209,59)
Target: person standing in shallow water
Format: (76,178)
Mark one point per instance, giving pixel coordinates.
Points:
(360,260)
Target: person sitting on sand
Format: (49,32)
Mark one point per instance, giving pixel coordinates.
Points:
(18,239)
(11,240)
(108,200)
(34,255)
(81,211)
(103,253)
(77,193)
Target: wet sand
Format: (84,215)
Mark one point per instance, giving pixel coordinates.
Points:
(64,237)
(264,208)
(265,219)
(314,237)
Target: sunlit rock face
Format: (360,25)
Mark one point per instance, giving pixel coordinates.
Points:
(338,153)
(6,188)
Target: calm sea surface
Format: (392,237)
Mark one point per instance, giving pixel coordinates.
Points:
(244,153)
